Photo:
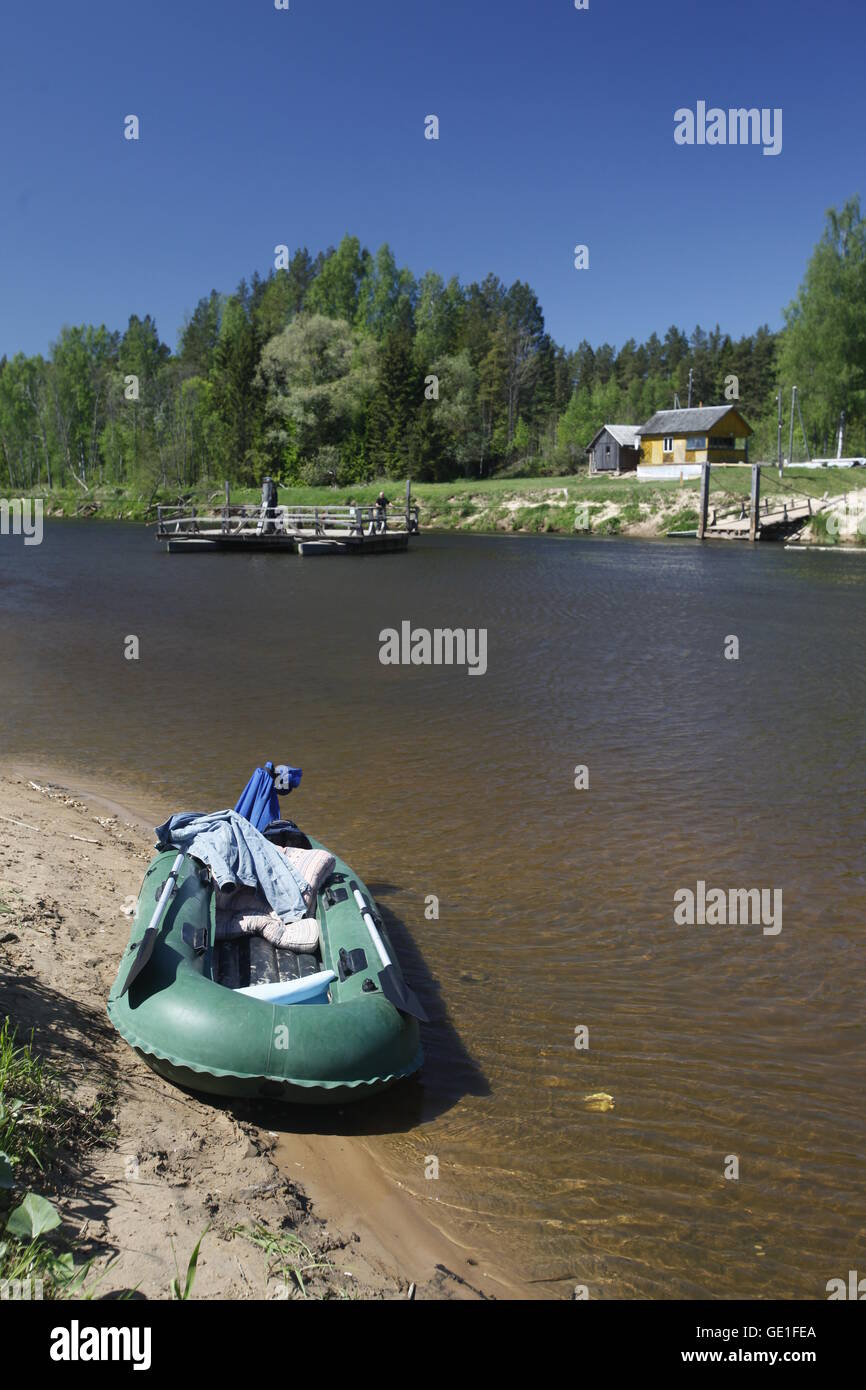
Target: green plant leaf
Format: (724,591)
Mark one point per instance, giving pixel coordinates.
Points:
(184,1293)
(6,1173)
(62,1267)
(34,1216)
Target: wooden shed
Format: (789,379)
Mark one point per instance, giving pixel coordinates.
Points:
(614,449)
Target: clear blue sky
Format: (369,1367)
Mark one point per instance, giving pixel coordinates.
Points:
(260,127)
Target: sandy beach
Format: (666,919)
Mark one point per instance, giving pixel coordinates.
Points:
(165,1165)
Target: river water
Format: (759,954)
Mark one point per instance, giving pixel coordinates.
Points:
(711,1049)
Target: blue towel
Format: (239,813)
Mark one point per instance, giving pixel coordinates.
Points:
(235,852)
(259,801)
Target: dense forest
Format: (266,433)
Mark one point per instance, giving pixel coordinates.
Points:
(342,367)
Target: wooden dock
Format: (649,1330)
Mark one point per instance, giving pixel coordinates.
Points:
(752,520)
(774,522)
(335,530)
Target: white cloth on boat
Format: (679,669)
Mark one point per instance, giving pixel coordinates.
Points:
(302,935)
(236,853)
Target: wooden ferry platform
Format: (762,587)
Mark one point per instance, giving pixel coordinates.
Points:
(307,531)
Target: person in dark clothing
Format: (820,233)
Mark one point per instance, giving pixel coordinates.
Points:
(382,512)
(269,502)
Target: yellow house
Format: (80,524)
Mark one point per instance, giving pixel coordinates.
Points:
(710,434)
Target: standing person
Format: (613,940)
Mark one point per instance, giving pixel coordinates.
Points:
(382,511)
(269,502)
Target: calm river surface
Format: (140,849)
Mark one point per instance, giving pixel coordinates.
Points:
(556,905)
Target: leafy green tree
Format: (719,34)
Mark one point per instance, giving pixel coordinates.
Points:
(317,377)
(823,349)
(398,395)
(438,318)
(81,362)
(237,395)
(334,293)
(458,411)
(385,295)
(200,334)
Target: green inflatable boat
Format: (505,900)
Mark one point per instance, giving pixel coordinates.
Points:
(240,1017)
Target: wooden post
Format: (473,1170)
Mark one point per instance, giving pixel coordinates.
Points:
(755,502)
(704,500)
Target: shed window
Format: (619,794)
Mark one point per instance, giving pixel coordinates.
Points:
(696,441)
(721,441)
(668,443)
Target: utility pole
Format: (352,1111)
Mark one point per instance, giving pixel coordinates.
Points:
(841,435)
(779,444)
(690,388)
(803,428)
(791,432)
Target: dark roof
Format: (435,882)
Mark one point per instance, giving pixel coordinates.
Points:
(687,421)
(623,434)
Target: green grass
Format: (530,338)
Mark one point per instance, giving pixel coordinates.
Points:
(32,1118)
(37,1121)
(686,519)
(289,1257)
(479,504)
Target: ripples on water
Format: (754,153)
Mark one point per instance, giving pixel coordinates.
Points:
(556,906)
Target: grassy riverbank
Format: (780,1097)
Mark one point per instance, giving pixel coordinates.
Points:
(600,506)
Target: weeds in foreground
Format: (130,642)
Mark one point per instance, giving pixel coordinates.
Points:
(289,1257)
(29,1100)
(182,1295)
(36,1121)
(686,519)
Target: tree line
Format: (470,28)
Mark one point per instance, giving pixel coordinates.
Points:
(343,367)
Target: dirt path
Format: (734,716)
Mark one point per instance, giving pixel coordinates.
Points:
(170,1164)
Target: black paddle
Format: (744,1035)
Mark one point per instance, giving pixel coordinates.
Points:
(398,993)
(395,990)
(145,949)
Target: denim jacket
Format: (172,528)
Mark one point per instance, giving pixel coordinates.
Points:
(235,852)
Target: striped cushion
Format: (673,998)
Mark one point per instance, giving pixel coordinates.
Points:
(315,865)
(294,936)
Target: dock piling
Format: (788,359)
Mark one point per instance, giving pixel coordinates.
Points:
(704,500)
(754,502)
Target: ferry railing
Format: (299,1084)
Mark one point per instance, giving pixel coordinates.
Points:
(247,519)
